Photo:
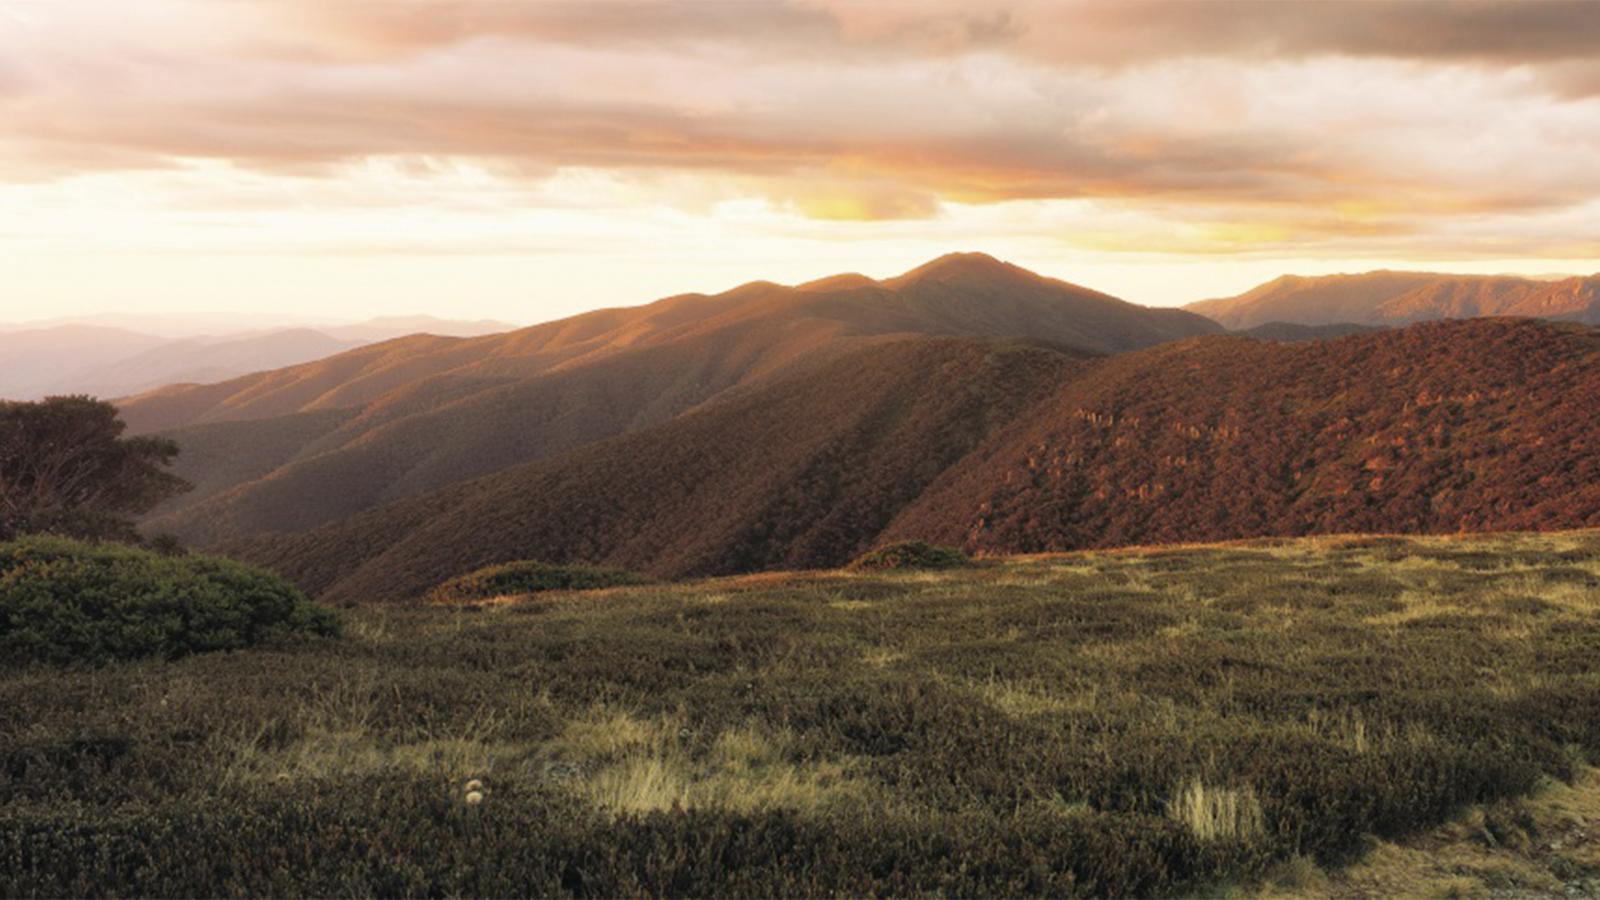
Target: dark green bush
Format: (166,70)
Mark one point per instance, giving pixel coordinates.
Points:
(529,577)
(912,555)
(67,601)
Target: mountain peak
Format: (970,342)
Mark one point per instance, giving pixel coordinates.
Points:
(961,265)
(842,282)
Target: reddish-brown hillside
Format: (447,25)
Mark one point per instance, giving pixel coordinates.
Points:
(1288,333)
(1569,300)
(218,456)
(962,294)
(428,412)
(804,472)
(1454,426)
(1300,300)
(1474,425)
(1403,298)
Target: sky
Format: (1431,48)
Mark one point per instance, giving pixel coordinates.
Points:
(530,160)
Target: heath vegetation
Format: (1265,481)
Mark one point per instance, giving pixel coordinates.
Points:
(911,555)
(528,577)
(65,601)
(1147,722)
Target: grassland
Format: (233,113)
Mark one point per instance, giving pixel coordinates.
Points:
(1257,716)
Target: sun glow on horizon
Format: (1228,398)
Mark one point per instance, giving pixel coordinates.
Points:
(527,161)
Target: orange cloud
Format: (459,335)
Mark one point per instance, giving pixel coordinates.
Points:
(1325,120)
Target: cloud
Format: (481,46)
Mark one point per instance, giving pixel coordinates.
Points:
(1250,122)
(410,25)
(1496,31)
(1065,31)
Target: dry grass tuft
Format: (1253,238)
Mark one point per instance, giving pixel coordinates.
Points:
(1216,813)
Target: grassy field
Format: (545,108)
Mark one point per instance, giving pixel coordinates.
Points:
(1261,716)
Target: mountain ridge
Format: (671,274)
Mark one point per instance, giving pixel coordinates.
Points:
(74,357)
(432,411)
(1212,437)
(1388,298)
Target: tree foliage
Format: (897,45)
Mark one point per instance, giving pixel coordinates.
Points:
(65,468)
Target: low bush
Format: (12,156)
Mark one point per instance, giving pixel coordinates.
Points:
(912,555)
(66,601)
(529,577)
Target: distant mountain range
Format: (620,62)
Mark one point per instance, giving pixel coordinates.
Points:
(1389,299)
(1003,447)
(404,417)
(123,355)
(106,361)
(968,401)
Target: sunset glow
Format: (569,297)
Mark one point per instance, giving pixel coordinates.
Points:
(530,160)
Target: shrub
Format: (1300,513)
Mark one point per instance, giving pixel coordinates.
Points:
(529,577)
(67,601)
(912,555)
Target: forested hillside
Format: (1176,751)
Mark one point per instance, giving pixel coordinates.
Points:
(801,474)
(399,419)
(1478,425)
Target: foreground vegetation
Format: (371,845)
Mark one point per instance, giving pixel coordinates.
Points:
(1543,845)
(66,601)
(528,577)
(1135,723)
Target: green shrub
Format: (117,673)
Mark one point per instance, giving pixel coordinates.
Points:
(912,555)
(529,577)
(67,601)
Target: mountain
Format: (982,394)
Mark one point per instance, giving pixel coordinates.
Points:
(385,328)
(424,412)
(1389,299)
(1475,425)
(960,294)
(81,358)
(1479,425)
(35,360)
(215,326)
(804,472)
(198,360)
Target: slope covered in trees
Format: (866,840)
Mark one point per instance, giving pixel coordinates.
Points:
(421,413)
(1386,298)
(1289,333)
(1478,425)
(803,473)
